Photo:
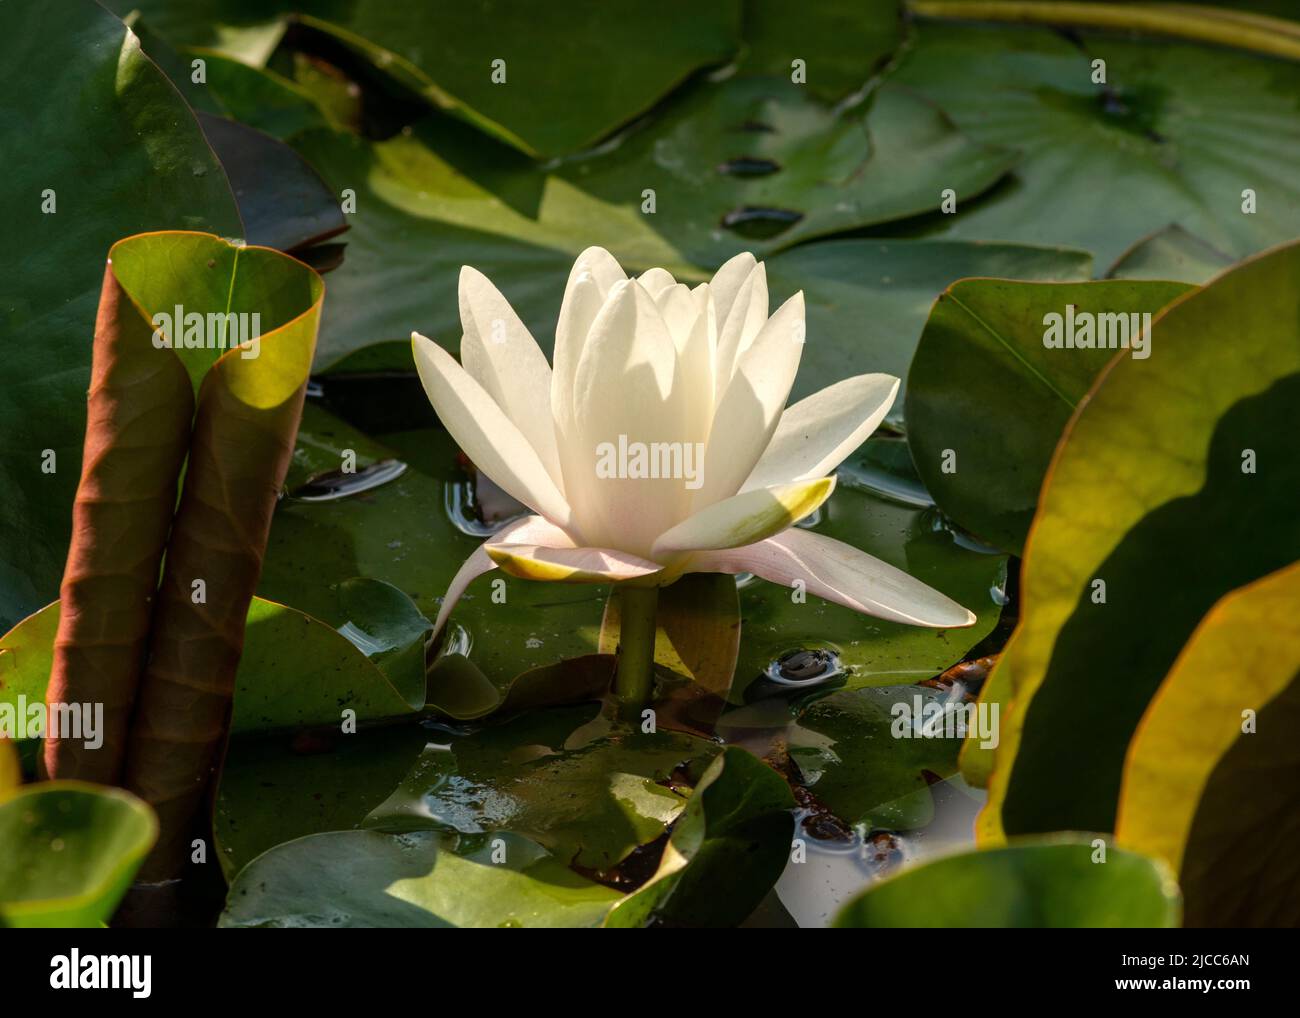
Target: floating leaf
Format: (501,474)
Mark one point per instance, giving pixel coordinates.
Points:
(880,507)
(867,300)
(1033,884)
(440,192)
(1162,141)
(1198,440)
(988,399)
(295,671)
(587,790)
(850,751)
(726,851)
(282,201)
(260,97)
(1208,782)
(420,879)
(240,29)
(70,850)
(104,104)
(537,78)
(275,788)
(386,626)
(1171,253)
(405,533)
(841,42)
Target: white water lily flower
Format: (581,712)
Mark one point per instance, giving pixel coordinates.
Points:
(658,445)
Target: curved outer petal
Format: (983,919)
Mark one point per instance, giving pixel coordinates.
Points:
(628,393)
(499,353)
(485,433)
(751,406)
(815,435)
(841,573)
(533,530)
(727,281)
(739,326)
(745,519)
(569,565)
(594,274)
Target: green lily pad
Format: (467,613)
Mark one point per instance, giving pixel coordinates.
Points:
(402,533)
(568,777)
(458,689)
(419,256)
(841,42)
(386,626)
(880,507)
(1033,885)
(1171,253)
(70,851)
(1162,142)
(1196,441)
(295,669)
(560,92)
(726,852)
(1210,768)
(282,201)
(988,399)
(275,788)
(849,752)
(259,97)
(103,104)
(867,300)
(824,171)
(439,191)
(415,880)
(245,30)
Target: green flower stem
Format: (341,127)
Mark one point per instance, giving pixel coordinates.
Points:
(636,647)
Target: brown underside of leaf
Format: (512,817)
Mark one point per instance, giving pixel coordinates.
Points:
(139,410)
(238,459)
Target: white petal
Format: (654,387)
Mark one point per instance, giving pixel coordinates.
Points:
(739,327)
(745,519)
(656,280)
(726,282)
(751,406)
(501,355)
(815,435)
(532,529)
(696,352)
(679,310)
(485,433)
(626,393)
(569,565)
(593,275)
(841,573)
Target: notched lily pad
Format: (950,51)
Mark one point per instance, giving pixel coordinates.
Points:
(419,879)
(586,788)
